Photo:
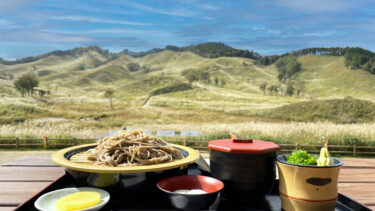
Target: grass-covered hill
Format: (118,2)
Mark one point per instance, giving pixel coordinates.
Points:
(189,84)
(347,110)
(214,50)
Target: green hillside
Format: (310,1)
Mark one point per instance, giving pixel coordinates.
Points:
(224,89)
(326,76)
(346,110)
(215,50)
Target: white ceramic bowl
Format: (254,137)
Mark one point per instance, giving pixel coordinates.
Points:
(47,201)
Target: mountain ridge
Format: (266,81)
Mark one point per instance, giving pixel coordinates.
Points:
(209,50)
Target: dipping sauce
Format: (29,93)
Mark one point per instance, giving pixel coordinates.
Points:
(191,192)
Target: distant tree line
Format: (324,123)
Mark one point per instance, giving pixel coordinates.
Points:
(335,51)
(289,89)
(360,58)
(267,60)
(214,50)
(355,58)
(202,75)
(141,53)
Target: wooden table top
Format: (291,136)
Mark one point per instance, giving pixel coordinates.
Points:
(24,177)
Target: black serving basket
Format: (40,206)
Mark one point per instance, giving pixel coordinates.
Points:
(148,201)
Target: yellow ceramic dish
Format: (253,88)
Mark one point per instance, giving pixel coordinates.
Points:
(308,188)
(58,157)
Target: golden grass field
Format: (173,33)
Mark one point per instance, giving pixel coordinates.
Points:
(291,132)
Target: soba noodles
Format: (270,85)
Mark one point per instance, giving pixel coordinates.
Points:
(126,148)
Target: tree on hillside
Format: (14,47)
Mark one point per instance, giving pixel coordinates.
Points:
(191,78)
(223,82)
(356,58)
(300,89)
(216,81)
(347,61)
(287,67)
(272,89)
(42,92)
(263,87)
(281,89)
(290,89)
(109,93)
(275,89)
(197,75)
(132,67)
(57,85)
(26,84)
(204,76)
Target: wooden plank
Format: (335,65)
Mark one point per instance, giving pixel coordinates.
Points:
(358,162)
(371,207)
(7,145)
(7,208)
(14,193)
(37,161)
(30,173)
(361,192)
(361,175)
(365,153)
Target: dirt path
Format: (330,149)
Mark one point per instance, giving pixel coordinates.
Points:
(147,102)
(7,156)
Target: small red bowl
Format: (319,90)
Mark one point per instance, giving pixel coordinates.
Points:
(187,182)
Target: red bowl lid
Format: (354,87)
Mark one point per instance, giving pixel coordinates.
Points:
(243,146)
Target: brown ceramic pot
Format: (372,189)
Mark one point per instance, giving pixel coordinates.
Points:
(308,188)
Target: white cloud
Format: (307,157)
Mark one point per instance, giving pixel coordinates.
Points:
(208,6)
(98,20)
(175,12)
(44,36)
(318,5)
(322,34)
(32,35)
(6,24)
(130,32)
(267,30)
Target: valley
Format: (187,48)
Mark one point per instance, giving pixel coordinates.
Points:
(227,92)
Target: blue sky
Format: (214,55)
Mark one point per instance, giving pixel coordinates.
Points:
(33,27)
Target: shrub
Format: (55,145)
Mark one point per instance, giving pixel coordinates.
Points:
(171,88)
(42,73)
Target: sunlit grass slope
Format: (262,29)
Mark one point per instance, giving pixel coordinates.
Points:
(326,76)
(77,83)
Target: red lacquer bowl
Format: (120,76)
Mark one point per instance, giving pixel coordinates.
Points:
(188,182)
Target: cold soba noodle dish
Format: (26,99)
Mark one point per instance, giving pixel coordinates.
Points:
(128,148)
